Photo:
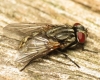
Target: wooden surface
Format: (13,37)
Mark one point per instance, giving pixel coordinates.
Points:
(55,67)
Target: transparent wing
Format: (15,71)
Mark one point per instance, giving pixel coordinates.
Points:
(36,48)
(35,54)
(18,31)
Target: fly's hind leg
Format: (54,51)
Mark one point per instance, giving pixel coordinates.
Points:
(23,41)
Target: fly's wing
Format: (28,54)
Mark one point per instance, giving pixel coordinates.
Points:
(33,48)
(18,31)
(36,48)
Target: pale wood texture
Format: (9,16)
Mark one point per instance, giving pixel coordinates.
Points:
(56,67)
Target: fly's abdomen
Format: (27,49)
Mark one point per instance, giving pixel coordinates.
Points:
(38,42)
(37,47)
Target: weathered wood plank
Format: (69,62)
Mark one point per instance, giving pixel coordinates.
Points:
(56,67)
(93,5)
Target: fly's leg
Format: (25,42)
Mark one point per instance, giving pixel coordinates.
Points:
(69,58)
(24,40)
(27,64)
(81,46)
(88,50)
(68,48)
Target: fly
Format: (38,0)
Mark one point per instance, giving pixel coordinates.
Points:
(39,39)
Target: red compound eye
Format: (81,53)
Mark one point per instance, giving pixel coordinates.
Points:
(81,37)
(76,24)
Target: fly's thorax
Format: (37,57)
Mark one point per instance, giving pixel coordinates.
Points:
(60,33)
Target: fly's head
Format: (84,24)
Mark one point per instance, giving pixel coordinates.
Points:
(80,32)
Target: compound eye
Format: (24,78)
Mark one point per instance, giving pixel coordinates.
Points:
(81,37)
(76,24)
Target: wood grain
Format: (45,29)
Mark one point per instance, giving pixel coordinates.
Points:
(54,67)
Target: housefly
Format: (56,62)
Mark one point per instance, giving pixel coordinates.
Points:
(39,39)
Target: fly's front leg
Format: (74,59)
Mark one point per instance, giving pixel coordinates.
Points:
(83,49)
(23,41)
